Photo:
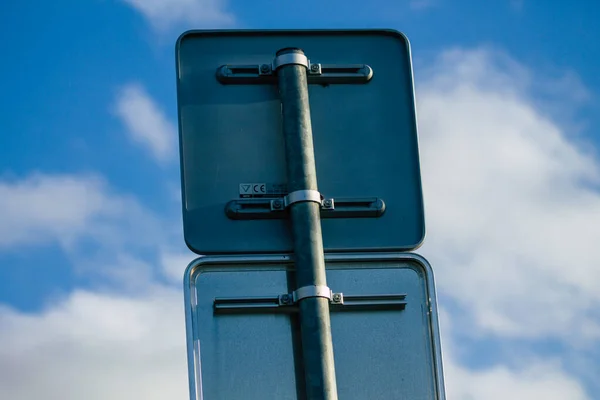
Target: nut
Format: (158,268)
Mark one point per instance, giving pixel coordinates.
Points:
(277,204)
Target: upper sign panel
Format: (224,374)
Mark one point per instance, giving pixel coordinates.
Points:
(232,146)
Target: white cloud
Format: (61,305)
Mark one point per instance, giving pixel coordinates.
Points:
(524,377)
(539,380)
(64,209)
(124,339)
(166,13)
(552,92)
(96,346)
(512,206)
(173,264)
(146,123)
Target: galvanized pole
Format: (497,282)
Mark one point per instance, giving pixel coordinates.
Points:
(315,325)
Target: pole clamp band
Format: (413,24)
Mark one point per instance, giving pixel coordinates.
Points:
(302,195)
(299,196)
(311,291)
(290,58)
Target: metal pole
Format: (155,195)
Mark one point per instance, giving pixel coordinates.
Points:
(315,325)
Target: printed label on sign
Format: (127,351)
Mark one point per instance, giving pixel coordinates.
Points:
(261,189)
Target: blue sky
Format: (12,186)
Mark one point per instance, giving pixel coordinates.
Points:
(91,250)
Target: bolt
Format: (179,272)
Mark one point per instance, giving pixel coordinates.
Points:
(265,68)
(285,299)
(314,67)
(327,203)
(277,204)
(337,297)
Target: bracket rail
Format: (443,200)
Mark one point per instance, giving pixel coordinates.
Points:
(322,74)
(265,208)
(285,303)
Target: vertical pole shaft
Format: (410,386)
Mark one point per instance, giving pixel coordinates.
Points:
(315,325)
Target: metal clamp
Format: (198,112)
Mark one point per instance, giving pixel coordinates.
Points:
(311,291)
(300,196)
(290,58)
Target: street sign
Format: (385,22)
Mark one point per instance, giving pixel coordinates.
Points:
(233,160)
(243,332)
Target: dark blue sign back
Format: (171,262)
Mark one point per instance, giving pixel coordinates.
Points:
(232,148)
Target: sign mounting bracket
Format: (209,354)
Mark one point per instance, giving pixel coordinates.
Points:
(269,208)
(288,303)
(317,73)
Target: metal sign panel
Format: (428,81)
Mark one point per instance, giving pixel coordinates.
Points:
(232,147)
(243,335)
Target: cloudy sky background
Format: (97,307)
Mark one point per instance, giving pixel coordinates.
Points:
(91,248)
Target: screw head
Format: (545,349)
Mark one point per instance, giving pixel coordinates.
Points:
(337,297)
(285,299)
(327,203)
(265,68)
(314,67)
(277,204)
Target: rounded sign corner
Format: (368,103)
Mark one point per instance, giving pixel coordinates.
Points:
(189,245)
(189,270)
(397,35)
(423,264)
(183,36)
(421,240)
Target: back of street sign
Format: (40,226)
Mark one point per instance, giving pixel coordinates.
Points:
(243,334)
(232,148)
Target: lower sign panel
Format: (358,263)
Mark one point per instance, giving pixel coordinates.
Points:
(244,341)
